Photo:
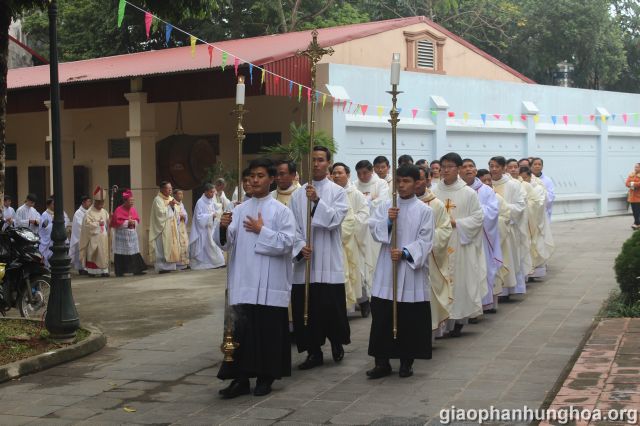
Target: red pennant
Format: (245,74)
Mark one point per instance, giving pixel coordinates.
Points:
(344,105)
(308,94)
(276,79)
(523,117)
(451,114)
(210,48)
(236,62)
(496,116)
(565,118)
(625,117)
(592,117)
(350,104)
(364,109)
(148,19)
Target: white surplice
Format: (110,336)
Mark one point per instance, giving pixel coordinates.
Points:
(551,195)
(24,214)
(513,193)
(260,264)
(415,235)
(490,238)
(354,237)
(468,268)
(7,214)
(327,264)
(46,226)
(375,190)
(205,254)
(74,244)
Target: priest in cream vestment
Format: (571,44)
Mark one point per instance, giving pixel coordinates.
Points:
(164,246)
(94,237)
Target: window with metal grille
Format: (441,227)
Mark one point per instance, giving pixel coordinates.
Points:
(11,152)
(425,54)
(119,148)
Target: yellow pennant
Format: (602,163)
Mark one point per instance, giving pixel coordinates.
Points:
(262,76)
(380,111)
(193,46)
(603,118)
(465,116)
(536,118)
(324,99)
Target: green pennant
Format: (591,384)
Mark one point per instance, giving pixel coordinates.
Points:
(510,118)
(121,7)
(225,55)
(434,113)
(299,92)
(579,119)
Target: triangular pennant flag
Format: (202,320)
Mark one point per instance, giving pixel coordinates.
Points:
(251,73)
(414,112)
(554,119)
(613,117)
(496,116)
(579,119)
(193,40)
(344,105)
(592,117)
(451,114)
(380,110)
(603,118)
(357,109)
(121,6)
(484,118)
(625,117)
(308,94)
(510,118)
(210,49)
(364,109)
(263,75)
(167,33)
(465,116)
(434,113)
(225,55)
(324,99)
(523,117)
(536,118)
(636,116)
(148,19)
(276,79)
(565,118)
(350,104)
(299,92)
(236,63)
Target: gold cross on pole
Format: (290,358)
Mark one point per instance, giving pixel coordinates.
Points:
(449,205)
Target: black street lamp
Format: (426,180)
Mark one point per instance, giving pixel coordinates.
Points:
(62,320)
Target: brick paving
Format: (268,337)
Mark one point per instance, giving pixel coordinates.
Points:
(508,360)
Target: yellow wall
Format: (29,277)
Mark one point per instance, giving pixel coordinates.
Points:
(376,51)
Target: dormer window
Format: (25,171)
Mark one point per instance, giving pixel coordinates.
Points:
(425,52)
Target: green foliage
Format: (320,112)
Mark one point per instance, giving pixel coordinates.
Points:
(616,307)
(627,268)
(298,147)
(218,170)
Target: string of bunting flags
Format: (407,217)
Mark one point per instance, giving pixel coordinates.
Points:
(296,89)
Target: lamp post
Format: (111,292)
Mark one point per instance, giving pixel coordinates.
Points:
(395,80)
(61,320)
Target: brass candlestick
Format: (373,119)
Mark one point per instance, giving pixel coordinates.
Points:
(315,53)
(394,202)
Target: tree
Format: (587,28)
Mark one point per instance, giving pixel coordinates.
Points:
(627,15)
(9,10)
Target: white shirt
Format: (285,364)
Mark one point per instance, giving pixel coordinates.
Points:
(326,260)
(415,234)
(24,214)
(260,264)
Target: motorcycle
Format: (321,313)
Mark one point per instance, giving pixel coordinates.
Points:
(25,281)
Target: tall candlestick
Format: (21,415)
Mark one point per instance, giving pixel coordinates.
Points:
(395,69)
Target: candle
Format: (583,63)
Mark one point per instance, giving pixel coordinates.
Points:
(240,91)
(395,69)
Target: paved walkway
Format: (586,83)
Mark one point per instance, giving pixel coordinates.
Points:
(606,376)
(509,360)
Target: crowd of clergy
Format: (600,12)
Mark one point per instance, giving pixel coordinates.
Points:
(467,239)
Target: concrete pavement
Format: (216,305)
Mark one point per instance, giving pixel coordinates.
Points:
(508,360)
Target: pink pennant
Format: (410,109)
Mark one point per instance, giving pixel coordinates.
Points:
(414,112)
(592,117)
(276,79)
(625,117)
(364,108)
(308,94)
(496,116)
(210,49)
(236,62)
(344,105)
(148,19)
(350,104)
(451,114)
(523,117)
(565,118)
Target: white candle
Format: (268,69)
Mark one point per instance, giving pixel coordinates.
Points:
(240,91)
(395,69)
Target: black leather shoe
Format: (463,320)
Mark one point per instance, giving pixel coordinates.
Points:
(365,309)
(379,371)
(491,311)
(337,351)
(503,299)
(457,330)
(263,387)
(237,388)
(474,320)
(406,369)
(313,360)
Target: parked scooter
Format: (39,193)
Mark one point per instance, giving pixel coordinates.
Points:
(25,280)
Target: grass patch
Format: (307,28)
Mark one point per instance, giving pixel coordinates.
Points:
(20,339)
(617,307)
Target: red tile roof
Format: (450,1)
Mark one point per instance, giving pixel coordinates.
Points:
(257,50)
